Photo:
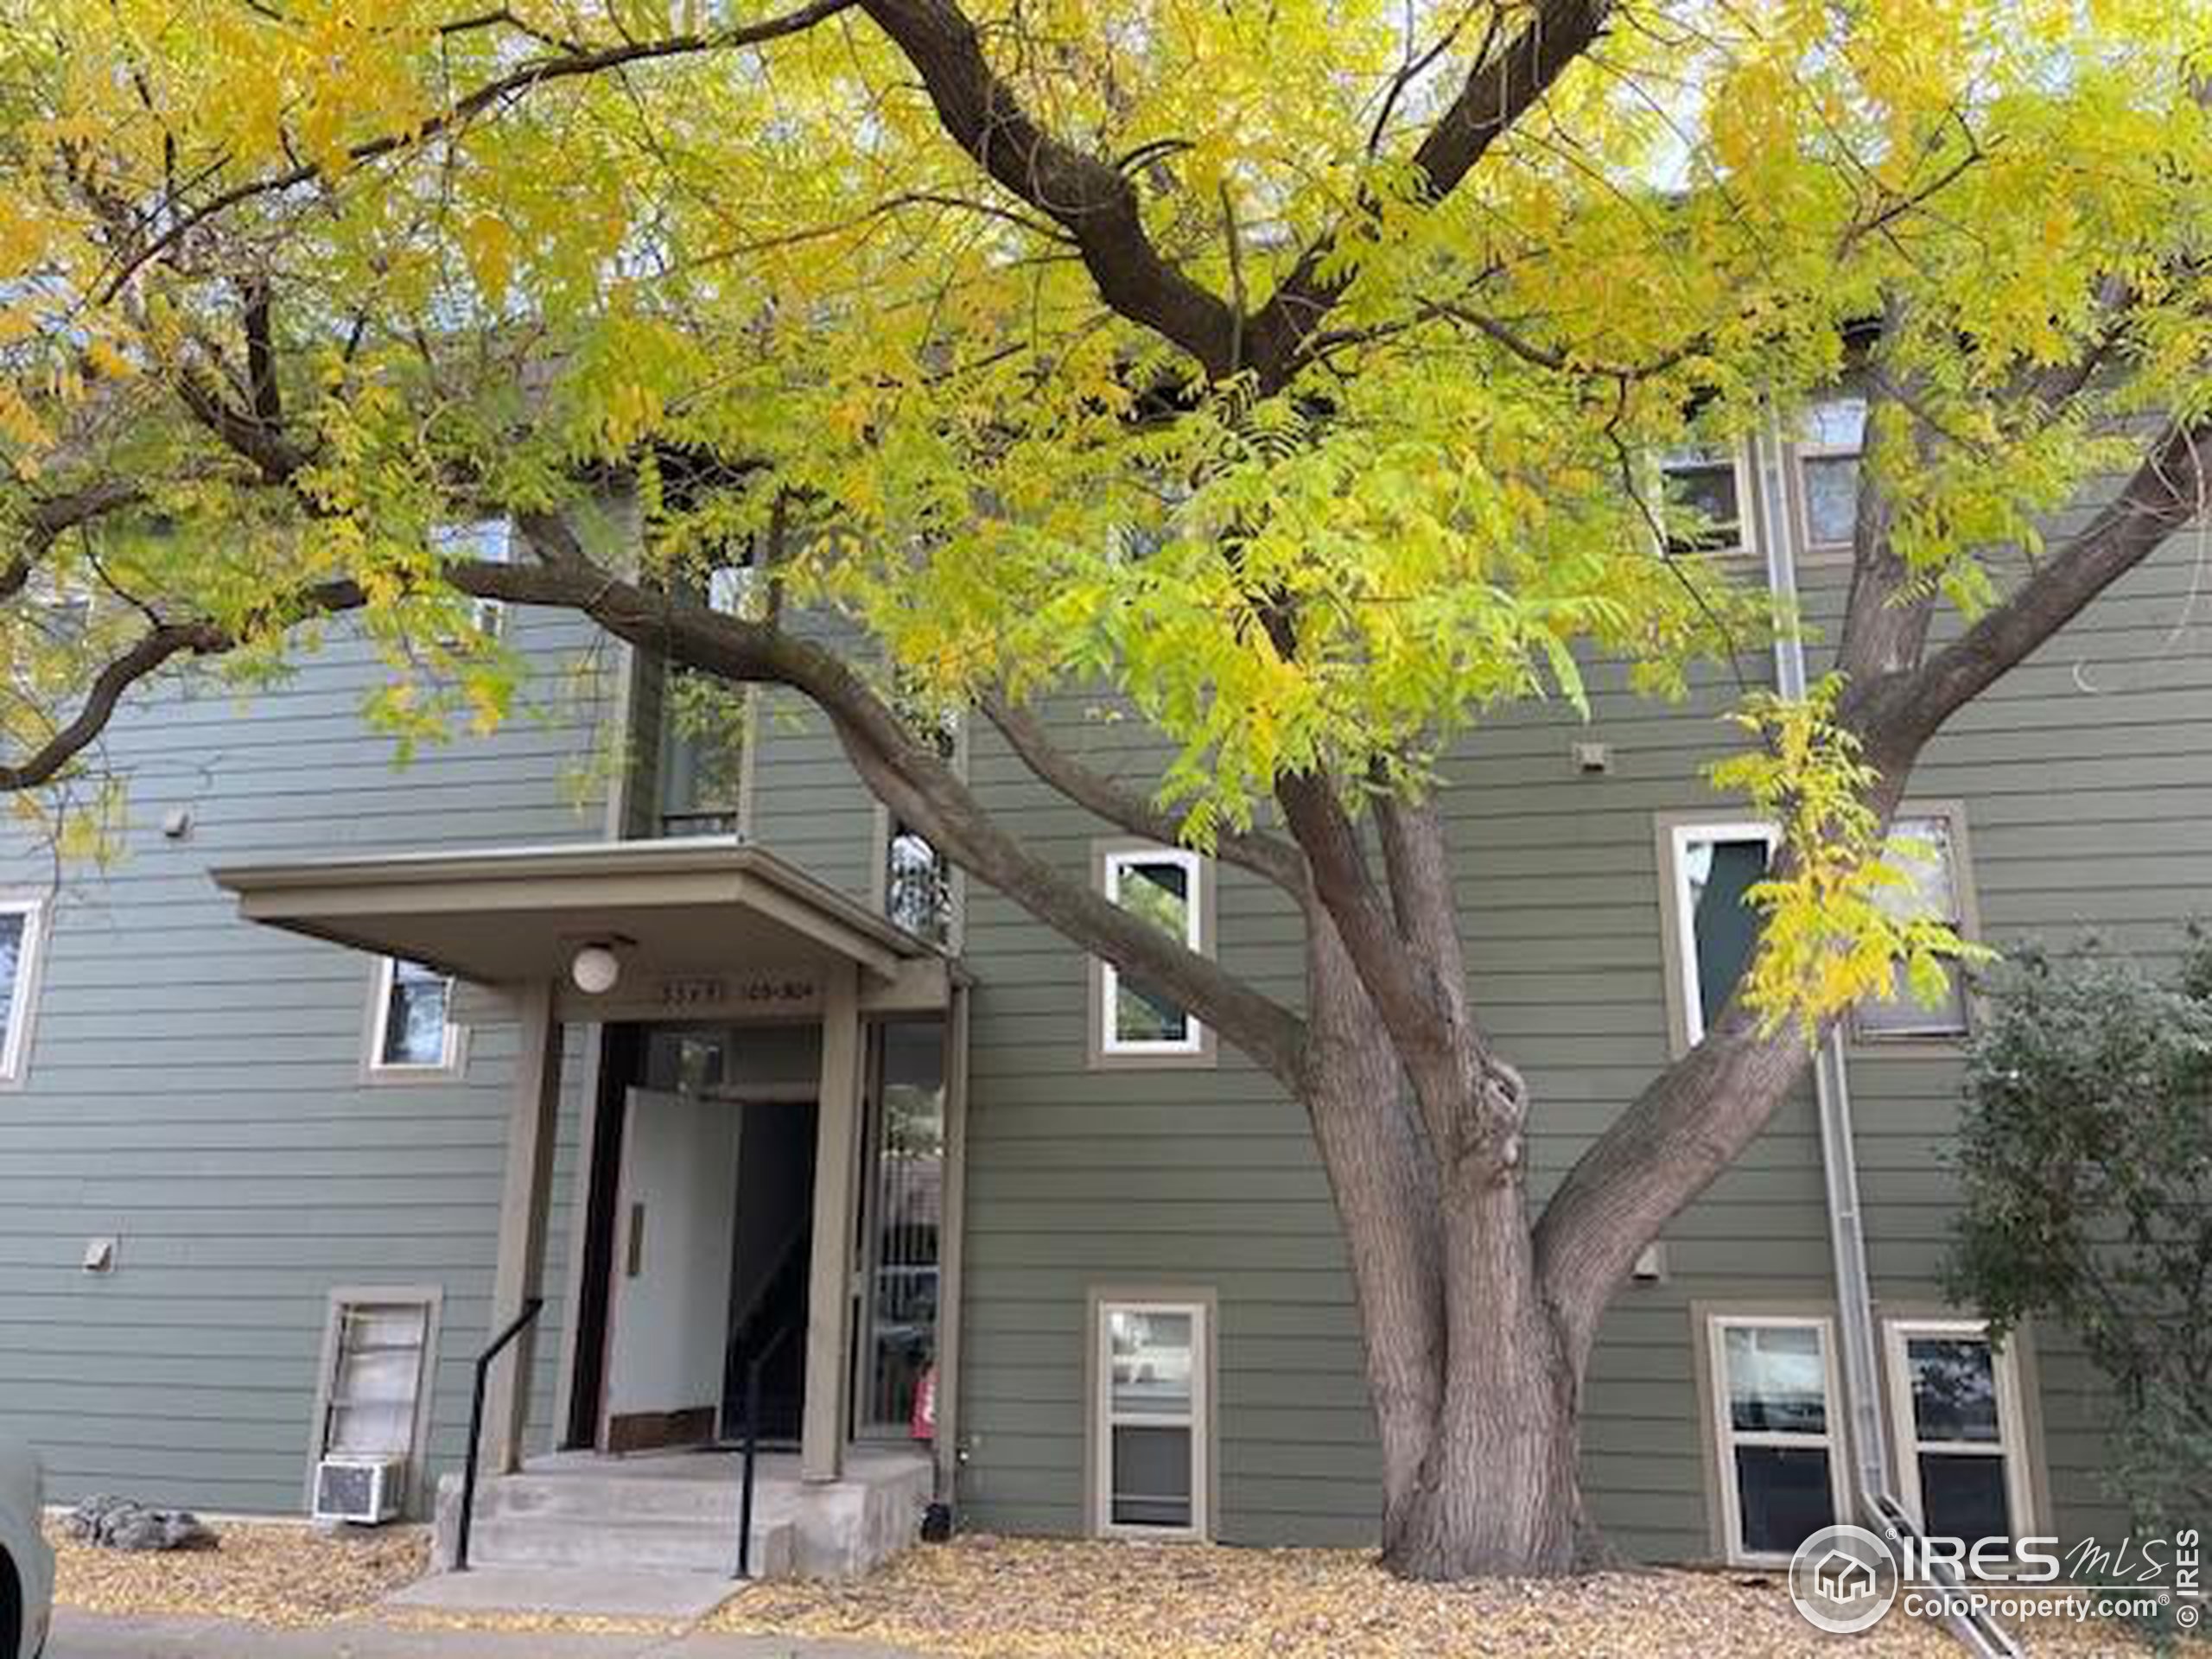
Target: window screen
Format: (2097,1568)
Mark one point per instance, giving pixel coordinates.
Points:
(376,1379)
(1152,1367)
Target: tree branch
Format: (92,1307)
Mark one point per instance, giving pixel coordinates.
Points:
(1096,202)
(2171,486)
(1279,861)
(1499,91)
(516,83)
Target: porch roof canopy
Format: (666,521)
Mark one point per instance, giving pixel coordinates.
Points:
(505,915)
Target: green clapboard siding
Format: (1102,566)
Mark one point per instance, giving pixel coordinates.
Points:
(2086,781)
(194,1089)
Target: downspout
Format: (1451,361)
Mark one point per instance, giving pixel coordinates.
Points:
(1867,1433)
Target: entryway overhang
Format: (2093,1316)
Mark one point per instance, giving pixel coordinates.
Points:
(696,924)
(704,930)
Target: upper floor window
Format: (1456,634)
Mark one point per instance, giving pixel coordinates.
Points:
(1828,459)
(1166,887)
(484,541)
(1926,846)
(1710,869)
(21,940)
(1708,496)
(705,725)
(1775,1432)
(414,1030)
(917,884)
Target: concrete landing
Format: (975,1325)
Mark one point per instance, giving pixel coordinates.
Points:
(584,1591)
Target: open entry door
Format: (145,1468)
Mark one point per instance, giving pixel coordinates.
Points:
(674,1220)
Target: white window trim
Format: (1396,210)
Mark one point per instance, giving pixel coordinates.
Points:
(1194,1043)
(1746,545)
(1106,1419)
(1727,1437)
(453,1059)
(22,1008)
(489,616)
(2011,1418)
(1684,944)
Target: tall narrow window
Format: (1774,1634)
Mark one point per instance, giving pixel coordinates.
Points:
(704,725)
(1827,470)
(1151,1436)
(917,885)
(1773,1383)
(414,1025)
(904,1206)
(1706,505)
(1163,885)
(1713,867)
(20,940)
(1927,851)
(1955,1404)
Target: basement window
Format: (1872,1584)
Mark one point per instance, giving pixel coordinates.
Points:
(1711,925)
(1150,1439)
(412,1033)
(378,1358)
(1780,1460)
(1961,1465)
(1132,1023)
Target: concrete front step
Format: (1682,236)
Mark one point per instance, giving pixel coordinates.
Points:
(626,1543)
(678,1513)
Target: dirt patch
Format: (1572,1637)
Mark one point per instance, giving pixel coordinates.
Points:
(1004,1599)
(262,1572)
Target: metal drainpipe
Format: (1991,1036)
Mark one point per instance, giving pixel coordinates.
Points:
(1866,1430)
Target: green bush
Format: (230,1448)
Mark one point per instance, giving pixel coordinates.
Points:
(2086,1158)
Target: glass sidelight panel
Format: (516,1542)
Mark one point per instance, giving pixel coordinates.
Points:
(905,1204)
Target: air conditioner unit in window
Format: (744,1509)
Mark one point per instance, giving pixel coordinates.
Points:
(366,1490)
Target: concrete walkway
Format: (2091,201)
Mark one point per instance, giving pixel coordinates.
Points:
(90,1635)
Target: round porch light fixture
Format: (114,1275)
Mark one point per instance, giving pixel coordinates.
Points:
(595,969)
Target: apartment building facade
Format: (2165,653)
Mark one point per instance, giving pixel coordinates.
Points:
(341,1064)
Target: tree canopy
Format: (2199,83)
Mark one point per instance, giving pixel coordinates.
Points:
(1298,374)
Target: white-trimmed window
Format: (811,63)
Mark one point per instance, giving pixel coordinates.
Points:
(1930,857)
(1955,1406)
(1165,885)
(1711,867)
(1150,1435)
(1780,1459)
(21,939)
(486,541)
(379,1354)
(413,1030)
(1706,505)
(1828,459)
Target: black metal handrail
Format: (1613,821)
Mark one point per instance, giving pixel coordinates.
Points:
(531,1309)
(753,1366)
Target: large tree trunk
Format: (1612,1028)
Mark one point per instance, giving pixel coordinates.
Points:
(1475,1398)
(1501,1491)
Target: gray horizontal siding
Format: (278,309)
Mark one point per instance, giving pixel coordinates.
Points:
(194,1088)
